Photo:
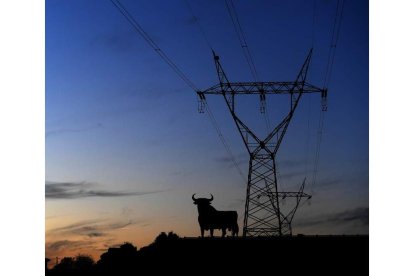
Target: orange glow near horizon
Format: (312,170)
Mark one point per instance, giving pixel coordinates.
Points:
(96,246)
(92,235)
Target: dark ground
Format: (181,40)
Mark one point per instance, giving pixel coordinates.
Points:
(313,255)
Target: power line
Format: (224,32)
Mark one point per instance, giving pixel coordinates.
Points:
(242,39)
(331,57)
(198,25)
(213,120)
(153,45)
(177,70)
(224,142)
(318,147)
(246,51)
(308,133)
(313,23)
(334,41)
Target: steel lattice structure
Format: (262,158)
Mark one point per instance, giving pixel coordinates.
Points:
(263,215)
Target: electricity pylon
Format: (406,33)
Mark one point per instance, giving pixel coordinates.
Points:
(263,215)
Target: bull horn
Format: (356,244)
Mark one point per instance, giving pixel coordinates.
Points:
(211,199)
(193,197)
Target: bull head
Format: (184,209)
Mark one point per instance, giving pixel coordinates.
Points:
(202,200)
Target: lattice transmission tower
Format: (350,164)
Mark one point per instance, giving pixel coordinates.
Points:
(263,215)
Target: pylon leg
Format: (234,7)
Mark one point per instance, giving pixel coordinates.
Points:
(262,215)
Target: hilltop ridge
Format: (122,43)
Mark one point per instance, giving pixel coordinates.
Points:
(322,255)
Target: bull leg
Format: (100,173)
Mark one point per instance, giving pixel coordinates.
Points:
(202,232)
(236,230)
(211,232)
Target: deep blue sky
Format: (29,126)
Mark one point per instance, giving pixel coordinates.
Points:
(118,119)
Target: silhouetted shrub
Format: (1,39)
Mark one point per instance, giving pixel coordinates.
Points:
(118,259)
(163,237)
(83,263)
(65,265)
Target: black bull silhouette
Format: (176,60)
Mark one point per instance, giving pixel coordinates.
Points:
(210,219)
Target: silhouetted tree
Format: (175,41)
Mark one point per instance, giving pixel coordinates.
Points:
(84,263)
(80,265)
(118,259)
(163,237)
(173,236)
(128,247)
(65,264)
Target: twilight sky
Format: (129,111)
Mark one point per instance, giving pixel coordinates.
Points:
(126,147)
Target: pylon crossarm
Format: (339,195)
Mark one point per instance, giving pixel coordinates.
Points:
(258,88)
(299,197)
(292,194)
(283,195)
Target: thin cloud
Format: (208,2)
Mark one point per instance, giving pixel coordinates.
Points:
(92,228)
(96,234)
(78,224)
(67,244)
(358,216)
(73,190)
(72,130)
(72,247)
